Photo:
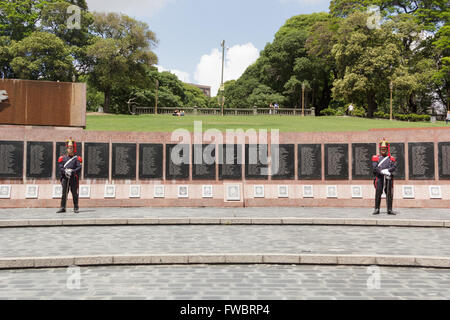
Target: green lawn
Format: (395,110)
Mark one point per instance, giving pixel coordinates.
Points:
(168,123)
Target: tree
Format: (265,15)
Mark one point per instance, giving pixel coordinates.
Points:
(18,18)
(121,53)
(58,19)
(366,58)
(42,56)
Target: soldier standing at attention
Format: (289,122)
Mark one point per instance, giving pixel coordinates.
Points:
(70,168)
(384,166)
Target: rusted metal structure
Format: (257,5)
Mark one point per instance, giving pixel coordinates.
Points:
(42,103)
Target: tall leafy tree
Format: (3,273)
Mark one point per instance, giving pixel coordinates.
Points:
(42,56)
(121,53)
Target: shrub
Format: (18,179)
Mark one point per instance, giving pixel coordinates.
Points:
(381,115)
(358,112)
(328,112)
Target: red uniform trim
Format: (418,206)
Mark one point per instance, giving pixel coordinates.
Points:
(393,159)
(375,158)
(60,159)
(79,159)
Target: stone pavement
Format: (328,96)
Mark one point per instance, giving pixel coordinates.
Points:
(63,241)
(225,281)
(275,212)
(216,282)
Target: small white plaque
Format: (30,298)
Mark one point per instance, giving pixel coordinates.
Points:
(332,192)
(258,191)
(408,192)
(283,191)
(435,192)
(233,193)
(357,192)
(308,191)
(85,191)
(57,192)
(5,192)
(183,192)
(110,191)
(32,192)
(207,191)
(159,192)
(135,191)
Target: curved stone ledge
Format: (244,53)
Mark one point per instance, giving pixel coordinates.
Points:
(226,259)
(414,223)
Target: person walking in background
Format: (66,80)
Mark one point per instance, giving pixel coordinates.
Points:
(448,117)
(276,107)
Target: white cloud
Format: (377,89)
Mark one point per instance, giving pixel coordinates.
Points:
(183,76)
(141,8)
(237,59)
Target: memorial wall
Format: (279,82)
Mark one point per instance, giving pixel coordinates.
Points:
(43,103)
(311,169)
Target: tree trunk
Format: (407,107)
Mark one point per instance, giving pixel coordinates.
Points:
(412,106)
(107,100)
(371,104)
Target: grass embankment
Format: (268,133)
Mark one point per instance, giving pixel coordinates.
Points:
(168,123)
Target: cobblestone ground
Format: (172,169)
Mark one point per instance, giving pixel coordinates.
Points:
(60,241)
(403,213)
(240,282)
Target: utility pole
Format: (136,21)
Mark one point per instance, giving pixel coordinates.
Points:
(391,86)
(156,102)
(303,99)
(221,81)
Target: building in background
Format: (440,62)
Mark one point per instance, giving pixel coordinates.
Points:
(206,89)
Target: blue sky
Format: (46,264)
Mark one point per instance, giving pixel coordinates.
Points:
(190,31)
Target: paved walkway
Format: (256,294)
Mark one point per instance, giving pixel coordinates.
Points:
(242,282)
(63,241)
(364,213)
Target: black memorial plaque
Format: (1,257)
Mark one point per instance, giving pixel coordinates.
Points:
(62,150)
(336,161)
(362,154)
(283,161)
(309,162)
(11,159)
(39,160)
(398,152)
(230,162)
(150,161)
(124,161)
(177,162)
(204,162)
(421,161)
(256,161)
(444,160)
(96,161)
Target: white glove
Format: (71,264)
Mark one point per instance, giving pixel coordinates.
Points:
(68,173)
(386,172)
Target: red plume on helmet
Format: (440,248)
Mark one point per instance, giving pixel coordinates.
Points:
(71,143)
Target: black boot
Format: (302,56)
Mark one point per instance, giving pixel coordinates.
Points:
(76,210)
(391,212)
(61,210)
(376,211)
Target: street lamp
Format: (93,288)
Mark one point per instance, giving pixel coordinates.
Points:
(391,86)
(303,99)
(156,100)
(221,81)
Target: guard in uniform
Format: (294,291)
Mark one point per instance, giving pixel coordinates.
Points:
(70,168)
(384,166)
